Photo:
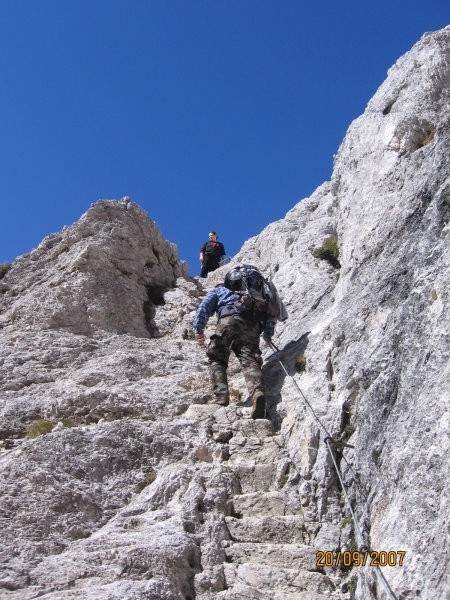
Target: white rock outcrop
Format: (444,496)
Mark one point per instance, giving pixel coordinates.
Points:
(119,477)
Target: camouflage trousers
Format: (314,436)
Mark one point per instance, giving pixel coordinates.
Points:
(242,337)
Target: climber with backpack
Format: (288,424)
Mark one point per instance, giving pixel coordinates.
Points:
(247,305)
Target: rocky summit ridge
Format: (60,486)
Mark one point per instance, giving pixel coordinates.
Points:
(121,480)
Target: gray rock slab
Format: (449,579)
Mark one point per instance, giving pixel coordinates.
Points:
(264,450)
(265,577)
(254,428)
(288,529)
(293,556)
(254,476)
(260,504)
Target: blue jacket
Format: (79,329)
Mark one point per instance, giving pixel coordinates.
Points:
(213,302)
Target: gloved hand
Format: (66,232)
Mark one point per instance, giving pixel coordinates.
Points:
(267,337)
(269,330)
(200,337)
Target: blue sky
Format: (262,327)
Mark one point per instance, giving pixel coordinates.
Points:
(210,114)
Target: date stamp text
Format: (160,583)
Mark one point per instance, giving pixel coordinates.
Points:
(369,558)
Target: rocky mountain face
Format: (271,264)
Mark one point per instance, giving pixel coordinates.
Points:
(120,479)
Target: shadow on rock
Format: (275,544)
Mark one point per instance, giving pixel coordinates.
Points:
(292,357)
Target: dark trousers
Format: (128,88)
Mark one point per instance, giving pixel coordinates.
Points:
(210,263)
(234,333)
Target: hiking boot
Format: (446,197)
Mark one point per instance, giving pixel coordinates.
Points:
(222,400)
(258,406)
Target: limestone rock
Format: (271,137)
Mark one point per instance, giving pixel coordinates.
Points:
(108,271)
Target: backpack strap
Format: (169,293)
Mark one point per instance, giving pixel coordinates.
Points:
(228,311)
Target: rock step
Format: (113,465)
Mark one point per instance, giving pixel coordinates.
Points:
(260,428)
(201,411)
(231,414)
(264,450)
(245,592)
(237,417)
(298,556)
(256,504)
(254,476)
(240,419)
(289,529)
(271,579)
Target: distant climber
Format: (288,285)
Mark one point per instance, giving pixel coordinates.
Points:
(246,305)
(212,253)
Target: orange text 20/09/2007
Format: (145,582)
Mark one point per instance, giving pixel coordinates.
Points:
(370,558)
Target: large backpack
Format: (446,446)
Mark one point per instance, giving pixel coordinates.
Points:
(257,299)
